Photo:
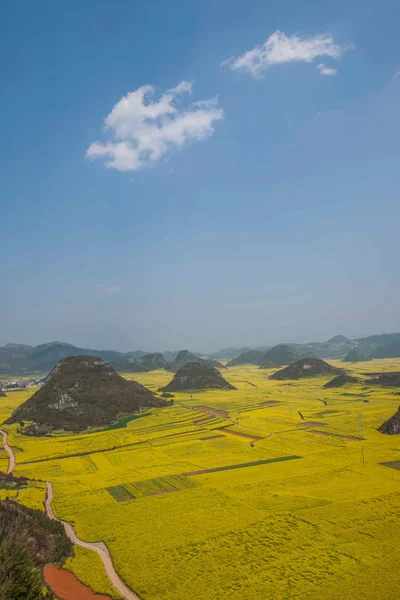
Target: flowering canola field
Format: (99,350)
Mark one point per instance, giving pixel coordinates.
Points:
(273,491)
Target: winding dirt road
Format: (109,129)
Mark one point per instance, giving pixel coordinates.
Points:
(10,452)
(98,547)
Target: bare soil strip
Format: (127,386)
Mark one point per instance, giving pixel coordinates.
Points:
(311,424)
(10,452)
(249,382)
(203,420)
(395,464)
(336,435)
(240,434)
(98,547)
(66,586)
(213,411)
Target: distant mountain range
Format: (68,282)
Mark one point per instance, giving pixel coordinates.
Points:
(19,359)
(386,345)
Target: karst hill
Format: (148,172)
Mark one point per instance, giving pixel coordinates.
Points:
(355,355)
(197,376)
(385,379)
(185,357)
(83,391)
(306,367)
(392,425)
(340,381)
(278,356)
(251,357)
(148,362)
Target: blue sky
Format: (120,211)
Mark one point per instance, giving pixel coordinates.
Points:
(269,213)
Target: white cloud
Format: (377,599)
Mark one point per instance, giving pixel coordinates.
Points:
(142,130)
(280,48)
(324,70)
(114,289)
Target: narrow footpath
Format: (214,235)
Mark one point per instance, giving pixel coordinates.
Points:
(11,455)
(98,547)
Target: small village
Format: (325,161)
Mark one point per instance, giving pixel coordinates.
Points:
(15,385)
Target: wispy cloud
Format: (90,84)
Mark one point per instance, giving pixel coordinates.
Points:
(280,48)
(324,70)
(141,130)
(113,289)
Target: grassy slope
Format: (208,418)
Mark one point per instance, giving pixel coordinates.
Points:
(321,526)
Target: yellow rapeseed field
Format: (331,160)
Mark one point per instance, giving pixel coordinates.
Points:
(295,505)
(88,568)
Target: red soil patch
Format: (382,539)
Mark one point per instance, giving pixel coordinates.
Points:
(311,424)
(67,587)
(240,434)
(214,411)
(212,437)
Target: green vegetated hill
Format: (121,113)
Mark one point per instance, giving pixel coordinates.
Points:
(40,359)
(148,362)
(230,353)
(274,357)
(391,350)
(28,541)
(386,345)
(278,356)
(250,357)
(355,355)
(81,392)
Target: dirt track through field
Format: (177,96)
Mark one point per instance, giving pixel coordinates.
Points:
(351,438)
(10,452)
(98,547)
(241,434)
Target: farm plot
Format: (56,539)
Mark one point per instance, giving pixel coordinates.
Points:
(120,493)
(151,487)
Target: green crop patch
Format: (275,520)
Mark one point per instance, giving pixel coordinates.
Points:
(120,493)
(159,485)
(150,487)
(243,465)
